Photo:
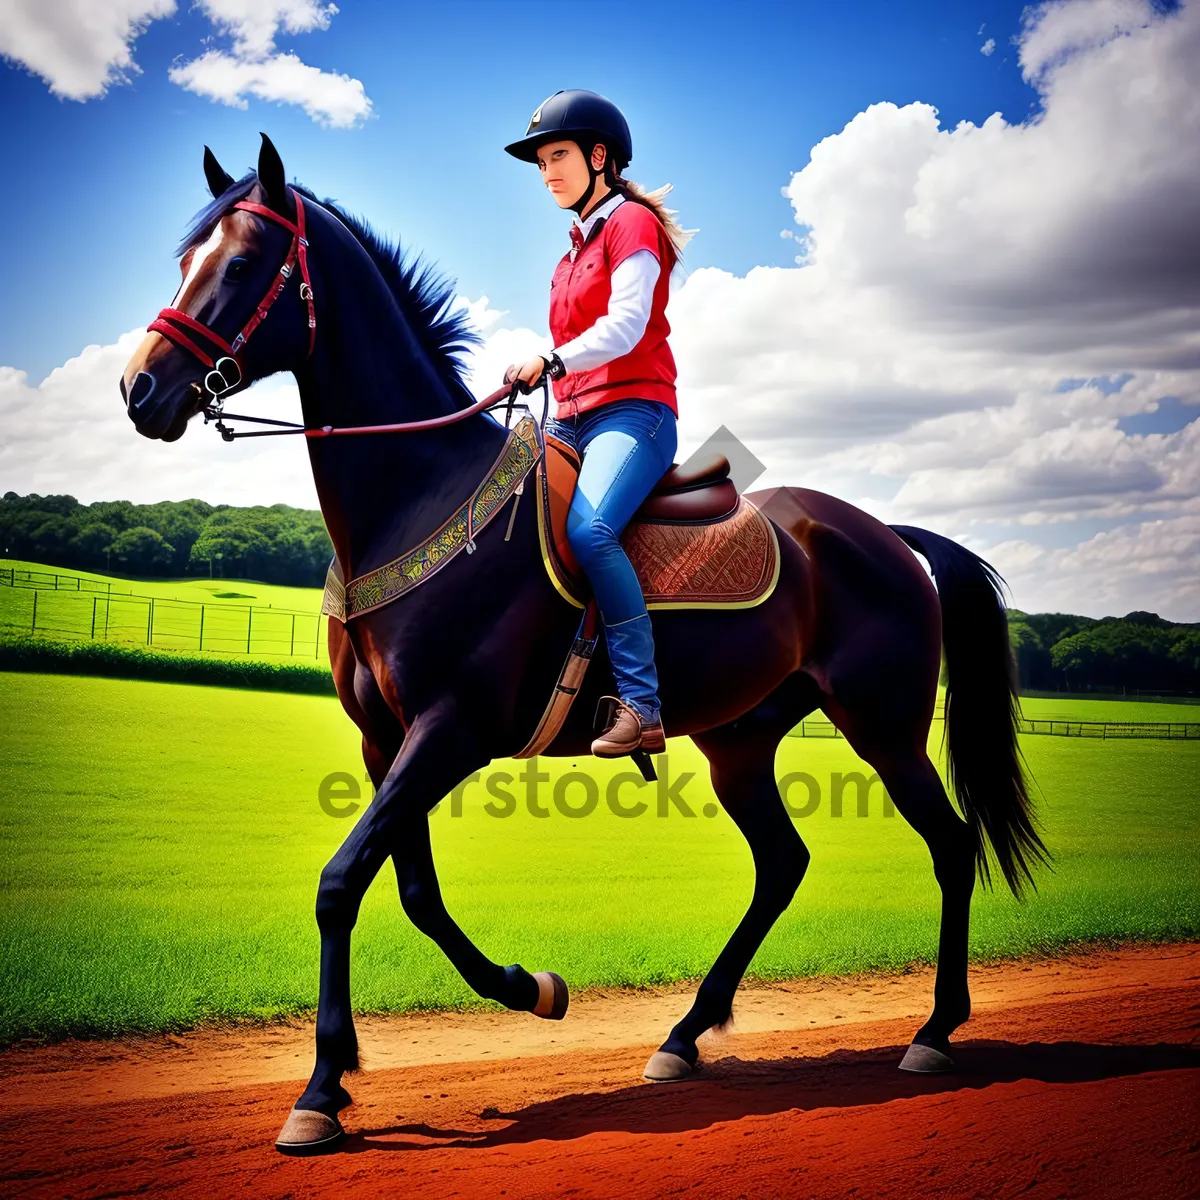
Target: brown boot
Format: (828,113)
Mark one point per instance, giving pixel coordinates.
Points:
(625,732)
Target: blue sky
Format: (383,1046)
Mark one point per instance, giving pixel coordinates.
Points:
(981,319)
(726,114)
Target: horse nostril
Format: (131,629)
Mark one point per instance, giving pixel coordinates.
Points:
(142,390)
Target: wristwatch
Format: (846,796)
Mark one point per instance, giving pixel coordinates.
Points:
(554,366)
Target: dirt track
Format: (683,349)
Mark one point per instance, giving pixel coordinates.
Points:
(1079,1077)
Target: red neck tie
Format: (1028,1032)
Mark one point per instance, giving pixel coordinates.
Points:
(576,236)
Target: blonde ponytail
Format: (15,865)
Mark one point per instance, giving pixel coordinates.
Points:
(654,202)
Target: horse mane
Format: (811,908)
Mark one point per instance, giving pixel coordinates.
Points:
(422,293)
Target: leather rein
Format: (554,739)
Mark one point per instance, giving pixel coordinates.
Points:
(225,355)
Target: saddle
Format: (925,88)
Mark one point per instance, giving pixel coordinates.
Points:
(701,491)
(694,542)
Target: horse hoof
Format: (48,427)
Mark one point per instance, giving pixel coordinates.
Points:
(553,996)
(308,1132)
(665,1067)
(925,1060)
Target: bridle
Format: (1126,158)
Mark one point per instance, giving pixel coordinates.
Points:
(217,384)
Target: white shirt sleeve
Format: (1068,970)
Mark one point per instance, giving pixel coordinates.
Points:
(622,327)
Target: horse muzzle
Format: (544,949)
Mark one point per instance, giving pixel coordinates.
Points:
(155,413)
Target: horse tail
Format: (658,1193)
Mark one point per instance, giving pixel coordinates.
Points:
(987,770)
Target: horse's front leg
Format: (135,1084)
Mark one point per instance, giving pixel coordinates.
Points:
(437,754)
(543,993)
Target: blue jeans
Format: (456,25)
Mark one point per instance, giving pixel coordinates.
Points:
(626,447)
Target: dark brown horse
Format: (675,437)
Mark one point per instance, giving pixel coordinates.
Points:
(458,672)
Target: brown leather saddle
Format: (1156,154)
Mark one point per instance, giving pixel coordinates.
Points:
(694,541)
(701,491)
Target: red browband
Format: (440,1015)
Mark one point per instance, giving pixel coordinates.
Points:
(169,320)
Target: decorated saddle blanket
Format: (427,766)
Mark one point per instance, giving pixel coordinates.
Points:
(729,562)
(505,479)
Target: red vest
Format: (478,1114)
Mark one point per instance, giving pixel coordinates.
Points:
(579,295)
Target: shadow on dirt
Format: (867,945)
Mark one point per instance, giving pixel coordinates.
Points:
(729,1089)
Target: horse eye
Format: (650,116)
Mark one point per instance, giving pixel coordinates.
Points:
(236,269)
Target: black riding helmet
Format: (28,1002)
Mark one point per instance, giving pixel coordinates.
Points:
(583,117)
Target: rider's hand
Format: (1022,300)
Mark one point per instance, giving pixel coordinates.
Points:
(529,372)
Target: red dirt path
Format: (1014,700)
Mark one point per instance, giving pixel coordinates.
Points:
(1078,1077)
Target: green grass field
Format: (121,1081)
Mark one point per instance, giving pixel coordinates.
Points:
(162,844)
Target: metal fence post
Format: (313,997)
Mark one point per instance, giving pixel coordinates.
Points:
(249,625)
(292,647)
(94,598)
(202,608)
(33,627)
(150,623)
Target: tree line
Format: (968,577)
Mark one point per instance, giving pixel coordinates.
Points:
(1139,651)
(275,544)
(280,544)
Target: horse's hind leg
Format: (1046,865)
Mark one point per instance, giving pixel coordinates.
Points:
(916,790)
(741,759)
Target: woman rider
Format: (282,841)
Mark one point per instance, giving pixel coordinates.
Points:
(613,374)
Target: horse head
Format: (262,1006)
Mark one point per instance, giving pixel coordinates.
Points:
(235,260)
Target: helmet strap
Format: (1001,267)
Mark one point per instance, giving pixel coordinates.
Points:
(581,204)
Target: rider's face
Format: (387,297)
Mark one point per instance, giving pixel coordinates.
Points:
(564,169)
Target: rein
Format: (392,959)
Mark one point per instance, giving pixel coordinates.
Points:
(218,384)
(502,395)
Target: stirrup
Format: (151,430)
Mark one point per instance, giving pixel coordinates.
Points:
(605,716)
(644,764)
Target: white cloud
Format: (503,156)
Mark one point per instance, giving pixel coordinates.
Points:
(1117,570)
(485,367)
(988,48)
(79,47)
(253,23)
(70,434)
(329,98)
(1055,31)
(253,66)
(955,278)
(915,366)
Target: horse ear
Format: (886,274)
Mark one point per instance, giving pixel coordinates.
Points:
(219,180)
(271,176)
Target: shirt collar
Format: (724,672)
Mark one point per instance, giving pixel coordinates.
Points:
(604,209)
